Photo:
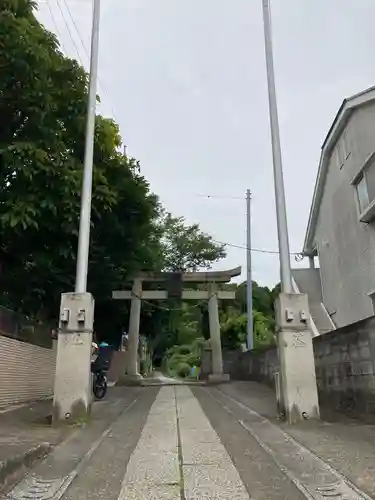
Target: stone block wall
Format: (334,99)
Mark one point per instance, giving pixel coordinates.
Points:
(260,366)
(344,365)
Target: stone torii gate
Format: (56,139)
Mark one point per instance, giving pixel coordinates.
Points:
(175,290)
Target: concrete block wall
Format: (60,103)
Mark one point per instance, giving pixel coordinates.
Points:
(344,365)
(232,364)
(27,371)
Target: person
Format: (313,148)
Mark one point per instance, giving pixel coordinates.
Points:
(94,351)
(103,360)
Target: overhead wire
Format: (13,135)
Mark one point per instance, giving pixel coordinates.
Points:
(298,255)
(69,30)
(164,308)
(102,89)
(56,26)
(221,197)
(87,53)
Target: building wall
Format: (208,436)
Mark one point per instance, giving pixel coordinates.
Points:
(346,246)
(308,281)
(26,371)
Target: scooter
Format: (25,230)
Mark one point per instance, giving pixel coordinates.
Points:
(99,369)
(99,384)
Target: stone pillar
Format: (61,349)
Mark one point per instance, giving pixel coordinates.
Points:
(217,357)
(73,387)
(133,375)
(299,395)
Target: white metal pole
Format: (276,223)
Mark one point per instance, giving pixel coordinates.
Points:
(85,216)
(249,280)
(282,226)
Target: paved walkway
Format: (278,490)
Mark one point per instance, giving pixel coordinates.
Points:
(199,443)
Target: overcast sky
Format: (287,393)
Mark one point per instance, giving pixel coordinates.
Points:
(186,81)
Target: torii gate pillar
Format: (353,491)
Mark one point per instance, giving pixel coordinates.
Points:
(133,374)
(212,295)
(217,374)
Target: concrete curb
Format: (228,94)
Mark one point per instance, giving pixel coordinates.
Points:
(11,466)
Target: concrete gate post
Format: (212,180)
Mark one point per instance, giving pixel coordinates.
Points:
(133,374)
(73,386)
(217,374)
(299,395)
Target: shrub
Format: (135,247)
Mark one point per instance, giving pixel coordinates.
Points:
(183,349)
(198,345)
(194,360)
(183,370)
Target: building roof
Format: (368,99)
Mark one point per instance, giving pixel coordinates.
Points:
(346,109)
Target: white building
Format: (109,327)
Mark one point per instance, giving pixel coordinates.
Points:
(341,227)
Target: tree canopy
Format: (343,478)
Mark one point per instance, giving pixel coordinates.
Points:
(43,104)
(43,111)
(185,247)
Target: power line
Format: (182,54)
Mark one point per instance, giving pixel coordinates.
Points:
(75,44)
(220,197)
(69,31)
(76,28)
(87,52)
(297,255)
(56,27)
(259,250)
(164,308)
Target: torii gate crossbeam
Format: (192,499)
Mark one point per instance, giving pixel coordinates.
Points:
(136,295)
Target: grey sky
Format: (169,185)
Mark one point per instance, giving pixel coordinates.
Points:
(186,81)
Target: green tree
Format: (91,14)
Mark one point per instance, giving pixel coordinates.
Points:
(186,247)
(43,98)
(234,329)
(262,298)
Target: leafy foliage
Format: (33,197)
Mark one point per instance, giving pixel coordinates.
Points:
(186,247)
(42,132)
(43,100)
(181,359)
(234,329)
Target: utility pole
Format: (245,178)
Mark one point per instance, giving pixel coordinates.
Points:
(72,392)
(299,395)
(249,280)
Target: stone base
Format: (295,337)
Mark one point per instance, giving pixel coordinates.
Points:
(131,380)
(298,395)
(73,381)
(215,378)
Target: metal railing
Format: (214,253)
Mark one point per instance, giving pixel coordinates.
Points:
(17,326)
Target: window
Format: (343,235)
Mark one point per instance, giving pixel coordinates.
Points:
(362,193)
(364,184)
(371,296)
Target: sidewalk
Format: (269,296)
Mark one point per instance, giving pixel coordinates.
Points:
(346,445)
(27,436)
